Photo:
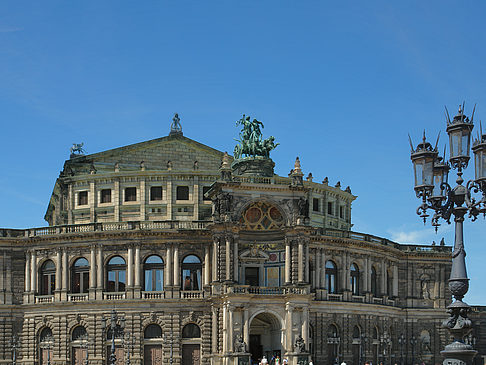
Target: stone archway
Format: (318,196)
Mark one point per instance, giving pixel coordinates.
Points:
(265,337)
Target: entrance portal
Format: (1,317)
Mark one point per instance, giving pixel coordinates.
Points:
(265,337)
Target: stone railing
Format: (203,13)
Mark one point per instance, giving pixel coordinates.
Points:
(114,296)
(77,297)
(105,227)
(358,298)
(153,295)
(266,290)
(336,297)
(379,240)
(44,299)
(192,294)
(377,300)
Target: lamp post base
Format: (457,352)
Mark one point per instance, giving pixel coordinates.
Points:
(458,353)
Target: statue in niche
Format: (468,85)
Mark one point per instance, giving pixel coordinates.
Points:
(240,345)
(299,345)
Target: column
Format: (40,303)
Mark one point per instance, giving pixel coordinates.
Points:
(288,260)
(169,200)
(177,275)
(214,328)
(395,281)
(27,271)
(300,258)
(236,279)
(228,258)
(366,275)
(206,266)
(168,259)
(225,328)
(70,204)
(116,200)
(318,269)
(246,329)
(215,259)
(195,199)
(130,267)
(99,267)
(345,270)
(307,261)
(92,200)
(137,267)
(58,270)
(288,326)
(143,198)
(64,270)
(305,327)
(383,277)
(323,268)
(33,272)
(92,268)
(230,329)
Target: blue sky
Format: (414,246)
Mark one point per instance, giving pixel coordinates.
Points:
(339,85)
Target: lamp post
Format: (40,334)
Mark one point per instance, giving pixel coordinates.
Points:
(436,194)
(413,343)
(113,327)
(85,343)
(129,342)
(47,345)
(170,339)
(14,344)
(362,348)
(401,341)
(335,341)
(385,342)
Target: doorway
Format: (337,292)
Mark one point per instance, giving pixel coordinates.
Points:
(265,337)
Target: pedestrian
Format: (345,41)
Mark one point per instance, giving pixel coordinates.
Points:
(343,363)
(310,362)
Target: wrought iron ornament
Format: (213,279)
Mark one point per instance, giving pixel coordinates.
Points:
(432,187)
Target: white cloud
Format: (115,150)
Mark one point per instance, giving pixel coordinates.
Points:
(421,237)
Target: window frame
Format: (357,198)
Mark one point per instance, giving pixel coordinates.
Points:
(179,189)
(47,278)
(152,198)
(83,272)
(331,277)
(85,196)
(153,268)
(117,269)
(133,198)
(102,196)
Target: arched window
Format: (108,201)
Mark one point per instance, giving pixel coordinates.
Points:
(48,278)
(354,279)
(152,331)
(79,333)
(116,278)
(374,287)
(331,277)
(191,273)
(46,343)
(153,270)
(80,276)
(191,330)
(356,332)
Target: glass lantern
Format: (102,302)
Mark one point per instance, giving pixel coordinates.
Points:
(440,173)
(423,159)
(479,149)
(459,131)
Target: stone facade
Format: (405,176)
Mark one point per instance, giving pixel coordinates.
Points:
(208,267)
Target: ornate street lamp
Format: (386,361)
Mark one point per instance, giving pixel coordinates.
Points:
(170,339)
(362,348)
(85,343)
(113,327)
(431,185)
(129,342)
(47,345)
(401,341)
(14,344)
(413,343)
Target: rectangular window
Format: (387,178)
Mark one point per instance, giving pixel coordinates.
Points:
(106,196)
(252,276)
(315,204)
(83,198)
(341,212)
(130,194)
(182,193)
(156,193)
(205,190)
(329,208)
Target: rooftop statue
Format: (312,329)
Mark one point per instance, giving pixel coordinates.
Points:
(77,148)
(176,127)
(251,142)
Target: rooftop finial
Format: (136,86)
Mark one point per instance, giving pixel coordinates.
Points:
(176,127)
